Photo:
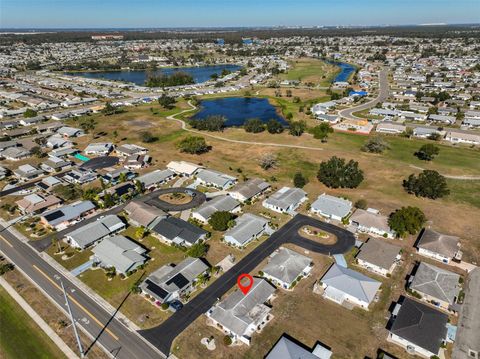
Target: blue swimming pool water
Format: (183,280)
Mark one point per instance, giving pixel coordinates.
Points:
(81,157)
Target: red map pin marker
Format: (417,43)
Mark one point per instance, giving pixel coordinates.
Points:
(245,288)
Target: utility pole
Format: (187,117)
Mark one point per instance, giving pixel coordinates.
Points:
(73,322)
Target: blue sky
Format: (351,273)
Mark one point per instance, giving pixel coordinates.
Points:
(208,13)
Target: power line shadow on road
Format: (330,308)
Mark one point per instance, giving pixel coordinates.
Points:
(115,351)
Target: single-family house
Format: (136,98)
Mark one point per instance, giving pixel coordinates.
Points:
(418,328)
(441,247)
(463,137)
(239,315)
(435,285)
(155,178)
(171,282)
(80,176)
(68,132)
(177,231)
(372,222)
(119,252)
(286,348)
(223,203)
(37,203)
(99,148)
(285,200)
(141,214)
(135,162)
(286,267)
(343,285)
(249,190)
(331,207)
(63,217)
(183,168)
(391,127)
(93,232)
(55,164)
(211,178)
(128,149)
(27,172)
(247,228)
(14,153)
(378,256)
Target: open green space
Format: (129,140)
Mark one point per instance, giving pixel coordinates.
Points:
(20,337)
(311,70)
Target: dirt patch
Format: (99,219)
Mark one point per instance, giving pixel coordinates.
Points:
(317,235)
(176,198)
(140,123)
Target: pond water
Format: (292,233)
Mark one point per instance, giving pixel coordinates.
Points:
(346,71)
(237,110)
(138,77)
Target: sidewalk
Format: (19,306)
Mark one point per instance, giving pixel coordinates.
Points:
(38,320)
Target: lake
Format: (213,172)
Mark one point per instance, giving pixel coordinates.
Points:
(138,77)
(237,110)
(346,71)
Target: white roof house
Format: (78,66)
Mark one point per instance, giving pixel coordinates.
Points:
(331,207)
(119,252)
(240,315)
(100,148)
(370,221)
(247,228)
(215,179)
(183,168)
(285,200)
(286,267)
(341,285)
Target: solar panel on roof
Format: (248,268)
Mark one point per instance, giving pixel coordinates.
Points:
(179,280)
(154,288)
(54,215)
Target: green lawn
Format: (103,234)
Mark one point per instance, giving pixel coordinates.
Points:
(312,70)
(465,191)
(20,337)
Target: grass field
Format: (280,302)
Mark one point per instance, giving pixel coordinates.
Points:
(311,70)
(20,337)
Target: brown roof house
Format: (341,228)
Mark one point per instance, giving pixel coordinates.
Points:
(438,246)
(378,256)
(141,214)
(36,203)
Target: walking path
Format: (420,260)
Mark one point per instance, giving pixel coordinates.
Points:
(38,320)
(466,177)
(193,108)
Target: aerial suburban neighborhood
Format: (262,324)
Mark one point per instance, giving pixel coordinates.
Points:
(280,192)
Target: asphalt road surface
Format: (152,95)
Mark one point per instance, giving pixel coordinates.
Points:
(383,94)
(153,199)
(163,336)
(115,337)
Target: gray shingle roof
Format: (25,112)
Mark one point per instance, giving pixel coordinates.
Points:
(351,282)
(331,205)
(379,253)
(251,188)
(94,231)
(286,197)
(120,252)
(247,226)
(287,349)
(438,242)
(286,265)
(155,177)
(237,311)
(436,282)
(220,203)
(68,212)
(214,177)
(173,227)
(420,324)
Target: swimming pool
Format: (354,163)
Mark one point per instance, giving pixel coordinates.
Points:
(81,157)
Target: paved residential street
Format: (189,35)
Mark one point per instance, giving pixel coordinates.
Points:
(121,342)
(383,91)
(164,335)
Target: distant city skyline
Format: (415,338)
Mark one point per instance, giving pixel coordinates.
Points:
(228,13)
